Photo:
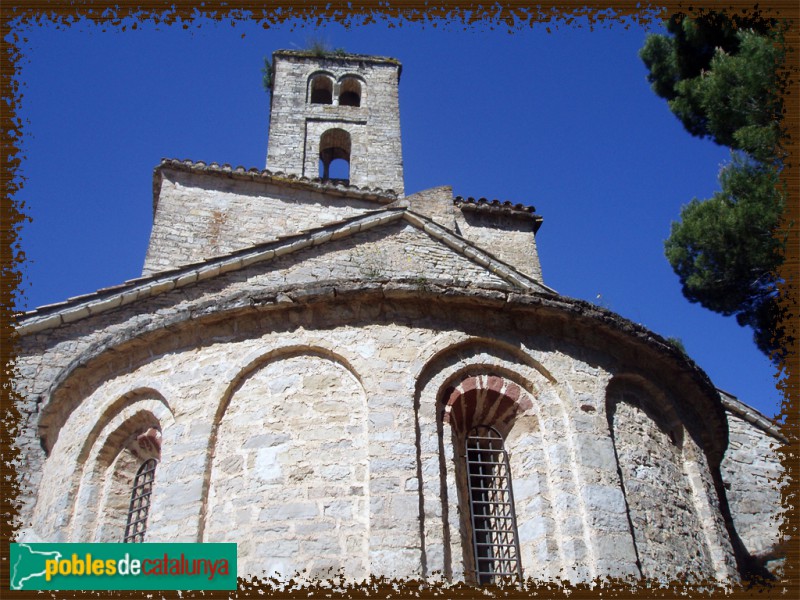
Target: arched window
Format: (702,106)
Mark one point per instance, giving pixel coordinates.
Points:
(148,448)
(334,155)
(321,90)
(139,508)
(481,411)
(491,502)
(350,92)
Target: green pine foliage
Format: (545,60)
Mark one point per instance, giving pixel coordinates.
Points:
(719,75)
(725,251)
(266,75)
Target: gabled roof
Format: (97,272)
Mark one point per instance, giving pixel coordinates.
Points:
(106,299)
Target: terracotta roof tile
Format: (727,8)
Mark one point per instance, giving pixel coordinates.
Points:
(483,204)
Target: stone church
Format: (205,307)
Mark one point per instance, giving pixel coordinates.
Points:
(335,374)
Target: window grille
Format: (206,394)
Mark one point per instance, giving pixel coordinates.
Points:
(491,501)
(139,508)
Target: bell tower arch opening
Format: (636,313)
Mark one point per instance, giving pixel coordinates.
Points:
(334,155)
(320,89)
(350,92)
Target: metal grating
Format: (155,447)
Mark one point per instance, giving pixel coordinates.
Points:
(139,507)
(491,501)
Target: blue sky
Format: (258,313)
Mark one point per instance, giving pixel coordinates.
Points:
(565,121)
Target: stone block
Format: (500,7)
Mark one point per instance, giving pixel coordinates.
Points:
(339,509)
(295,510)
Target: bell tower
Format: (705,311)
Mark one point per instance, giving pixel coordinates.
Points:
(336,117)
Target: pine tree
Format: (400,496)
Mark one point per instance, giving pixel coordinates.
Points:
(719,75)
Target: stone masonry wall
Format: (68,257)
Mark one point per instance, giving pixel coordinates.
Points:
(751,470)
(436,204)
(509,238)
(405,253)
(663,514)
(199,216)
(291,468)
(317,426)
(302,447)
(318,423)
(397,251)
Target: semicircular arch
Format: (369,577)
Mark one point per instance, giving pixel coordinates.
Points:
(66,398)
(444,353)
(662,407)
(320,87)
(348,75)
(526,393)
(119,405)
(253,364)
(86,456)
(483,399)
